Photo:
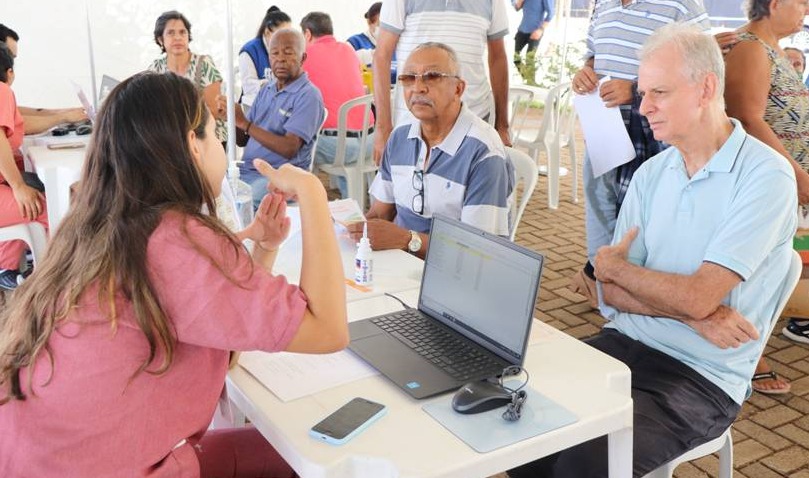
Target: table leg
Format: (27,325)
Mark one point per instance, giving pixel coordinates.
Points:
(620,453)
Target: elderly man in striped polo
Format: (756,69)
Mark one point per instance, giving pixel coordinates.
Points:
(449,161)
(618,28)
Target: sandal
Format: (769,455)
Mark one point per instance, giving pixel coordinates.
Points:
(584,286)
(769,391)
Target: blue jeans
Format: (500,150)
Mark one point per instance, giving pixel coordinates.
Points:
(600,208)
(327,150)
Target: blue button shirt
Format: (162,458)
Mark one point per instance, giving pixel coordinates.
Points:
(297,109)
(534,14)
(739,211)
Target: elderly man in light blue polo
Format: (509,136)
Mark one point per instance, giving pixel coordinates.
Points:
(698,261)
(449,161)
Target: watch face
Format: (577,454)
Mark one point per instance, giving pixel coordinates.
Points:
(415,242)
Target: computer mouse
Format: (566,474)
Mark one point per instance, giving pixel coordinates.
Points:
(84,129)
(478,397)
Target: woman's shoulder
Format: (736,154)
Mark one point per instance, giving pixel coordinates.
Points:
(750,48)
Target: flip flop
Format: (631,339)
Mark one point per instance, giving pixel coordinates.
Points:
(769,391)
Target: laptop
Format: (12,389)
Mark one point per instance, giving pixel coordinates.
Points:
(474,315)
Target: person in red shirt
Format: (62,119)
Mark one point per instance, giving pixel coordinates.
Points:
(19,202)
(333,67)
(114,352)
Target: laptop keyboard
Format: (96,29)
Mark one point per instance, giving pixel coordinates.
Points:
(459,358)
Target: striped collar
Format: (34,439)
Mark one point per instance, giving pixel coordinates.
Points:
(457,134)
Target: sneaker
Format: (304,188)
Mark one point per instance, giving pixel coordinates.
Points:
(797,330)
(10,279)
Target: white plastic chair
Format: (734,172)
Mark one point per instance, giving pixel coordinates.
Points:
(317,136)
(723,444)
(525,170)
(32,233)
(355,172)
(519,99)
(555,132)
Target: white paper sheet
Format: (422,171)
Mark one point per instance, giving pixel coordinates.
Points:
(605,136)
(291,376)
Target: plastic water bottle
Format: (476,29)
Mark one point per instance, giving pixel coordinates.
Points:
(242,194)
(363,262)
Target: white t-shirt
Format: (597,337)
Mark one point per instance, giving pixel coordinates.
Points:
(464,25)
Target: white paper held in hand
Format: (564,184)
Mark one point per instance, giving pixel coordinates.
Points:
(605,135)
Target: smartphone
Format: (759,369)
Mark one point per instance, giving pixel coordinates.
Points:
(348,421)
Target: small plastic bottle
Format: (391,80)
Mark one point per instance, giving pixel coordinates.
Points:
(363,262)
(243,196)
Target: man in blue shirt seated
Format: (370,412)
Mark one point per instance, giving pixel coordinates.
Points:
(697,264)
(449,161)
(285,117)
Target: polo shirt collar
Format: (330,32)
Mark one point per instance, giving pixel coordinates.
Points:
(325,39)
(456,135)
(724,159)
(295,86)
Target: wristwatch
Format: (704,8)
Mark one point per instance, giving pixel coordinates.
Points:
(415,242)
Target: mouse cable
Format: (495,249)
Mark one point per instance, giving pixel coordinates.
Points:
(407,307)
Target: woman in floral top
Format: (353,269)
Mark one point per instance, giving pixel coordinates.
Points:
(172,33)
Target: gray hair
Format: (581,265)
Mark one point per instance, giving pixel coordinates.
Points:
(300,41)
(453,57)
(756,9)
(699,52)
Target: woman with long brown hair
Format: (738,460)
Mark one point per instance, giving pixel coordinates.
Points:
(114,352)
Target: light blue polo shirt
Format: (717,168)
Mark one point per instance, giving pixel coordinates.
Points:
(468,176)
(297,109)
(737,212)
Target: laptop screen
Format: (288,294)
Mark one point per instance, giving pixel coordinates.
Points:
(481,285)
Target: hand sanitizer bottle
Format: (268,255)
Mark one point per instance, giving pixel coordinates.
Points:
(363,262)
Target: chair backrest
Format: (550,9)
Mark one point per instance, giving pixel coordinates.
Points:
(32,233)
(790,281)
(519,99)
(525,170)
(366,103)
(562,110)
(317,136)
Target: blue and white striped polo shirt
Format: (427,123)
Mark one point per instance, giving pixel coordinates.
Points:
(468,176)
(467,26)
(617,32)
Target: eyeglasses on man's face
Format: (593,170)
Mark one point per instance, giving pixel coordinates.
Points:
(429,78)
(418,185)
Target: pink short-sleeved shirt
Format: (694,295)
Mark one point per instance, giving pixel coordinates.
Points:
(94,418)
(11,122)
(333,67)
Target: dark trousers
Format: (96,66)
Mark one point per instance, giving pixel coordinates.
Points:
(520,41)
(675,409)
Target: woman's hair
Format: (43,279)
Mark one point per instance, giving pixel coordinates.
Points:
(138,167)
(160,26)
(6,62)
(272,20)
(756,9)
